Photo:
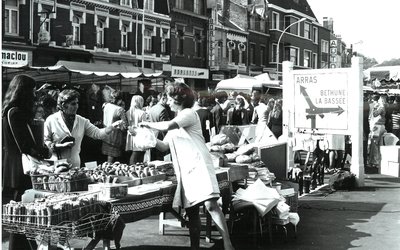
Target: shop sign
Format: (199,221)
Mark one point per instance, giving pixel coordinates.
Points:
(187,72)
(211,42)
(13,58)
(322,101)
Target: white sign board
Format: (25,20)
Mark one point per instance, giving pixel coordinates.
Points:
(13,58)
(321,100)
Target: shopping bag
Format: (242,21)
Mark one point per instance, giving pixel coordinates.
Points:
(29,163)
(144,139)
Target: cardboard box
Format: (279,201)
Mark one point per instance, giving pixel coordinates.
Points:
(109,191)
(391,168)
(390,160)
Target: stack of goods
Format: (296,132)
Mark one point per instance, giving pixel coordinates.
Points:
(220,144)
(59,178)
(164,166)
(51,210)
(123,173)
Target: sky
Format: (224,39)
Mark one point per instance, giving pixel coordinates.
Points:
(372,26)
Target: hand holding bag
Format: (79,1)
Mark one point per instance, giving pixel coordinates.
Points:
(28,162)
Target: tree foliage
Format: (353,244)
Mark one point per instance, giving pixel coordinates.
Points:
(392,62)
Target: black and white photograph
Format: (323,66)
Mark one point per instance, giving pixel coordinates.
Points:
(200,124)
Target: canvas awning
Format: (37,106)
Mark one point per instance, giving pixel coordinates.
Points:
(83,73)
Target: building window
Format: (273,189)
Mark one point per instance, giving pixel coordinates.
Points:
(126,3)
(179,4)
(124,37)
(262,25)
(197,44)
(230,55)
(274,53)
(100,34)
(315,35)
(315,60)
(164,37)
(324,46)
(252,53)
(198,6)
(252,23)
(179,42)
(11,17)
(76,29)
(307,31)
(149,5)
(292,54)
(307,59)
(294,29)
(262,55)
(275,21)
(147,40)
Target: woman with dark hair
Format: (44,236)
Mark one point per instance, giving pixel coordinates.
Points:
(112,144)
(239,114)
(17,117)
(206,117)
(275,119)
(64,130)
(197,181)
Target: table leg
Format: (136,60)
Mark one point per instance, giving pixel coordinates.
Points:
(92,244)
(208,227)
(106,244)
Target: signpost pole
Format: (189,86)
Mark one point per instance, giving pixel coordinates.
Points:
(288,111)
(356,111)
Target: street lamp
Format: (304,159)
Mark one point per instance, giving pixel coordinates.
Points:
(279,40)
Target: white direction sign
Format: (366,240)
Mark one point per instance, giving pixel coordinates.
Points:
(321,100)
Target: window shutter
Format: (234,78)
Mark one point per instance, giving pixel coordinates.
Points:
(168,46)
(154,46)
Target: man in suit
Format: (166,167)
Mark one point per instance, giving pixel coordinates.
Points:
(158,113)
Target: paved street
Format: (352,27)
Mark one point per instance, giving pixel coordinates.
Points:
(366,218)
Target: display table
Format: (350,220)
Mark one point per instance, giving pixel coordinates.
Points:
(137,207)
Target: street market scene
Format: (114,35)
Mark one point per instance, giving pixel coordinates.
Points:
(226,124)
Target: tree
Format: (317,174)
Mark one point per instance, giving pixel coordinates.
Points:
(368,62)
(392,62)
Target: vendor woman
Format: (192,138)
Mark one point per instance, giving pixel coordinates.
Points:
(197,181)
(64,130)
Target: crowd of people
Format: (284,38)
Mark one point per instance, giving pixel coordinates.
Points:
(381,116)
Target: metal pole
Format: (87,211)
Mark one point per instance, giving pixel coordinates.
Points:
(279,40)
(144,4)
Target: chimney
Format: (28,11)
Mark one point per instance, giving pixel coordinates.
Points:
(325,22)
(330,24)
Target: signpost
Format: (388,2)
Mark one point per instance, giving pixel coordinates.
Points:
(325,101)
(321,100)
